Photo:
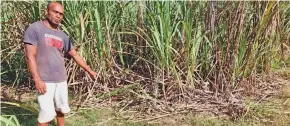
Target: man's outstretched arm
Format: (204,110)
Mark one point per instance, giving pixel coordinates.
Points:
(30,51)
(80,61)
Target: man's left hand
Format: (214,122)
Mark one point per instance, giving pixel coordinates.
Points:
(93,74)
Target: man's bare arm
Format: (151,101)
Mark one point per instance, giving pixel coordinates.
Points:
(30,51)
(79,60)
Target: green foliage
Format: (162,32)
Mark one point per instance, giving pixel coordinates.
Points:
(9,120)
(18,114)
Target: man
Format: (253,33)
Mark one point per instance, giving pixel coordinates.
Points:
(44,44)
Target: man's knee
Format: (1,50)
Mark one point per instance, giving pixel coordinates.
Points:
(59,114)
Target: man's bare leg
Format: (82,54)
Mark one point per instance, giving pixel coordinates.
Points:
(42,124)
(59,118)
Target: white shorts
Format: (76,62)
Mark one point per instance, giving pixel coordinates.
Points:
(55,98)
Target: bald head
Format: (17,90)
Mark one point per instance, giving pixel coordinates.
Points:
(53,3)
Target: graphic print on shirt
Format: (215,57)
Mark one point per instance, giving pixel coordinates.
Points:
(54,41)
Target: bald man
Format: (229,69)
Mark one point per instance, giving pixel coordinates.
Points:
(45,46)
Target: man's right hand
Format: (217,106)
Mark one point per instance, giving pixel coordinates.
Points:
(40,87)
(31,51)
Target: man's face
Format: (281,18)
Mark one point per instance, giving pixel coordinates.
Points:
(54,13)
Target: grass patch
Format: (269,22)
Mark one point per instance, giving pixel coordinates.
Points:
(98,117)
(270,113)
(214,121)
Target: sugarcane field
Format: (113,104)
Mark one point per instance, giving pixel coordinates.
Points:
(145,63)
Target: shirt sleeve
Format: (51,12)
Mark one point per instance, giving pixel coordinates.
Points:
(31,35)
(68,45)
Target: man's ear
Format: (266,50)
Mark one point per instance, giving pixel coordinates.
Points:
(46,12)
